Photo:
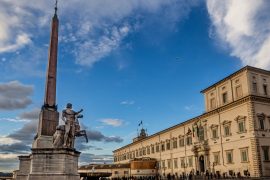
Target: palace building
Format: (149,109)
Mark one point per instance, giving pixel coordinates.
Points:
(231,137)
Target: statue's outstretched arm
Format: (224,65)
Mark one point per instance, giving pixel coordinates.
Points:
(79,111)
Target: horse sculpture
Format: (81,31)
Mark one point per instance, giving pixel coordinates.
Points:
(78,131)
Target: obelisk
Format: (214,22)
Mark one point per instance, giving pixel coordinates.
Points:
(45,161)
(48,118)
(50,91)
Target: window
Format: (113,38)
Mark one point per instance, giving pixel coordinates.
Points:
(137,154)
(175,143)
(190,161)
(148,150)
(254,87)
(189,140)
(158,164)
(265,153)
(225,98)
(215,133)
(214,130)
(244,155)
(175,163)
(212,103)
(261,120)
(216,158)
(157,148)
(229,155)
(162,147)
(181,142)
(265,89)
(201,133)
(227,130)
(125,172)
(168,145)
(163,164)
(140,152)
(152,149)
(238,91)
(241,123)
(182,162)
(115,172)
(144,151)
(241,126)
(169,164)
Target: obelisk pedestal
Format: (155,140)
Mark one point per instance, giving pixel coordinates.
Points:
(54,164)
(48,121)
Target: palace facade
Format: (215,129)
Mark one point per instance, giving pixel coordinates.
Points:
(231,137)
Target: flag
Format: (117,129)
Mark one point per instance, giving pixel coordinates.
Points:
(140,123)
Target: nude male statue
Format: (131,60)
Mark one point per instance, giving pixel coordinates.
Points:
(69,117)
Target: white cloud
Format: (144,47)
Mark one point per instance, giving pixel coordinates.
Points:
(188,108)
(13,26)
(7,140)
(21,41)
(92,51)
(244,28)
(91,30)
(9,156)
(112,122)
(128,102)
(14,119)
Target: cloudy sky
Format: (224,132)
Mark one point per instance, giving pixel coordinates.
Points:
(122,62)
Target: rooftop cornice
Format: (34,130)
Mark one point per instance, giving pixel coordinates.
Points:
(235,74)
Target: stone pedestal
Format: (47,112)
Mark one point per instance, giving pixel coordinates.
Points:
(48,121)
(49,164)
(24,168)
(43,142)
(54,164)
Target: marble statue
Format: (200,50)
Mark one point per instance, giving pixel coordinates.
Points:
(58,137)
(69,117)
(64,135)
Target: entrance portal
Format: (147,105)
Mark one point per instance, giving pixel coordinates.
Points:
(201,163)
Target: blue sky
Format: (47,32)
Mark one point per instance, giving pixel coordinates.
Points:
(122,62)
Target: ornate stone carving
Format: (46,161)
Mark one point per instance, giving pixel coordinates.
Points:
(226,122)
(240,118)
